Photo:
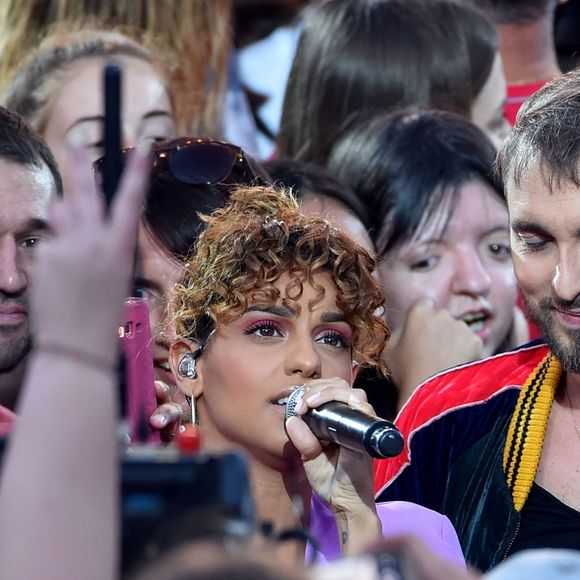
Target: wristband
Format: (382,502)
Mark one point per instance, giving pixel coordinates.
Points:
(84,357)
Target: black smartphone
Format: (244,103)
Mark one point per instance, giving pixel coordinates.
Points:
(113,166)
(136,365)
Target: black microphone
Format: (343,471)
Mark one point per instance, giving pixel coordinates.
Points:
(337,422)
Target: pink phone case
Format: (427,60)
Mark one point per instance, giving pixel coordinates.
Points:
(141,401)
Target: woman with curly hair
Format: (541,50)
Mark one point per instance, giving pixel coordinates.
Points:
(273,300)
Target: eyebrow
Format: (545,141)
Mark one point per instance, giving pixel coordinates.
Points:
(35,225)
(101,118)
(333,317)
(426,242)
(495,231)
(287,312)
(94,118)
(284,311)
(158,113)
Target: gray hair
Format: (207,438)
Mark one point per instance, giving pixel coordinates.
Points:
(546,135)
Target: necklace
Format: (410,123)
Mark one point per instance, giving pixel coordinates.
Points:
(572,412)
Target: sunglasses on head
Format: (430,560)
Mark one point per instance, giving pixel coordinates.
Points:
(198,161)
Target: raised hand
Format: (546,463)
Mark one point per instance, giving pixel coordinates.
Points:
(66,435)
(82,273)
(430,341)
(341,477)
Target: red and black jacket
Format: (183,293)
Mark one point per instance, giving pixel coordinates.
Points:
(455,426)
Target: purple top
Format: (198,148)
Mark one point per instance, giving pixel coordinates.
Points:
(397,517)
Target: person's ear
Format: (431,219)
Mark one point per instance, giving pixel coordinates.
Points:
(184,361)
(354,368)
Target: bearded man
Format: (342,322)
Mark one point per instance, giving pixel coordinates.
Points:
(494,444)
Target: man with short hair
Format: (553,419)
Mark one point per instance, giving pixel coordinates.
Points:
(526,30)
(494,444)
(29,180)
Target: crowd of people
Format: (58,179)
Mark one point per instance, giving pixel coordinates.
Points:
(409,252)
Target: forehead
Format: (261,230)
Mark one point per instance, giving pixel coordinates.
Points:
(311,294)
(25,193)
(339,215)
(81,93)
(154,263)
(534,199)
(476,208)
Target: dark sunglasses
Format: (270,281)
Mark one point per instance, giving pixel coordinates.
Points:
(198,161)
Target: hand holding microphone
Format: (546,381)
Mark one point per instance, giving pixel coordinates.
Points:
(348,427)
(341,474)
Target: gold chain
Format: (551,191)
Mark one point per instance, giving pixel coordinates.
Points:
(572,412)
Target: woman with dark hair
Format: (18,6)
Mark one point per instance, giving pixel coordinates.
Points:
(440,226)
(321,195)
(189,177)
(365,56)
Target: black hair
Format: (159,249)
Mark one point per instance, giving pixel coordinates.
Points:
(20,144)
(482,44)
(516,11)
(547,132)
(306,178)
(172,209)
(404,166)
(374,56)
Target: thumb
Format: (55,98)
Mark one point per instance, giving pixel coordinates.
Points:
(303,438)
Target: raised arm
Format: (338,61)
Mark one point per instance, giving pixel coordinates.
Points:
(58,496)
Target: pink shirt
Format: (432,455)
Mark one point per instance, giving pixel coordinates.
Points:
(397,518)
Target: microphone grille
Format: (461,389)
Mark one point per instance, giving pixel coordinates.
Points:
(292,402)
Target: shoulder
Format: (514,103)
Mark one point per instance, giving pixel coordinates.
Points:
(435,529)
(470,384)
(468,398)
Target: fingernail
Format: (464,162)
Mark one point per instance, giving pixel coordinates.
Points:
(159,419)
(163,386)
(313,398)
(353,399)
(300,406)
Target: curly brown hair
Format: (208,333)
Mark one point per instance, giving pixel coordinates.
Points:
(259,236)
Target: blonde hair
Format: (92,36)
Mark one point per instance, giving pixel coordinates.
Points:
(249,244)
(191,38)
(33,90)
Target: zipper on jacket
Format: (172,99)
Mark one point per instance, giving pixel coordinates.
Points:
(507,552)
